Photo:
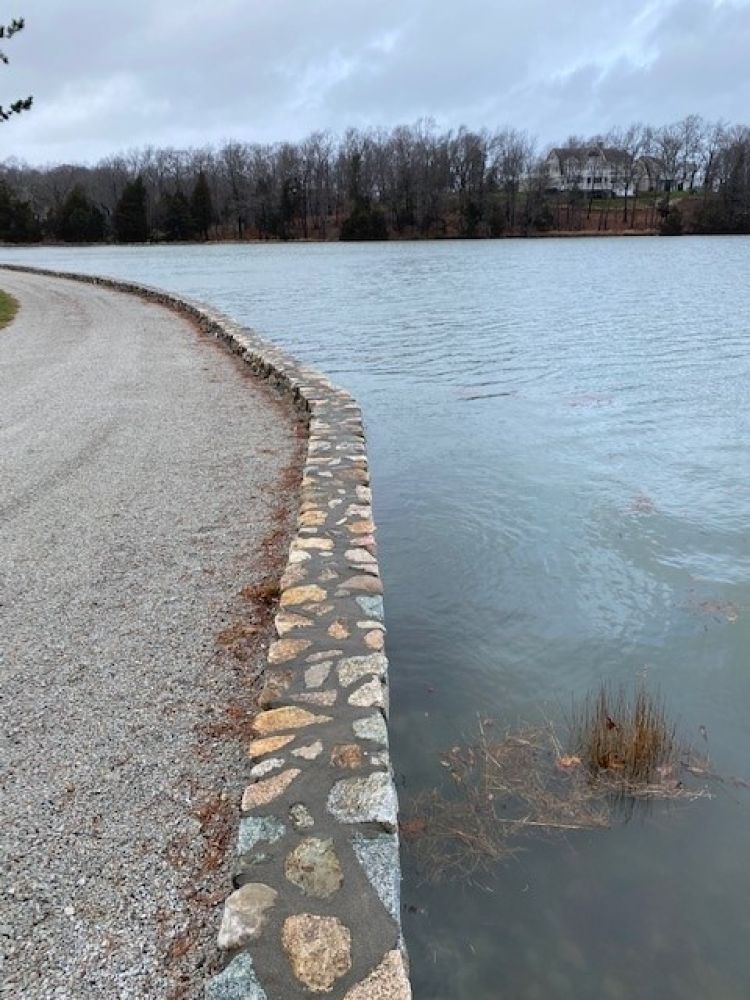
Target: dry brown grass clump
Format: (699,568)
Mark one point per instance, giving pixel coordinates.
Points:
(626,741)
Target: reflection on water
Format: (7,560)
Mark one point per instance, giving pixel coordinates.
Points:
(559,439)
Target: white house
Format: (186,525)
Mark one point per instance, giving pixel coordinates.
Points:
(605,172)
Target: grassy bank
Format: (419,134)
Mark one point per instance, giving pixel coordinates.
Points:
(8,308)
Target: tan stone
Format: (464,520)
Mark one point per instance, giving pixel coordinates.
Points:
(365,541)
(277,682)
(263,792)
(338,630)
(287,649)
(285,621)
(347,755)
(323,544)
(294,574)
(374,639)
(278,719)
(318,948)
(361,527)
(312,519)
(258,748)
(388,981)
(303,595)
(364,583)
(360,555)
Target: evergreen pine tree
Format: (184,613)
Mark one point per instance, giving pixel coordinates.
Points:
(79,220)
(175,219)
(17,222)
(130,220)
(201,206)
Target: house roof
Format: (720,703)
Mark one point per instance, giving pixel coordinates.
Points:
(610,154)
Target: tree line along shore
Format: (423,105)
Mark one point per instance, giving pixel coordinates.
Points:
(407,182)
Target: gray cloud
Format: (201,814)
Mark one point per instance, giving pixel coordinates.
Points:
(111,76)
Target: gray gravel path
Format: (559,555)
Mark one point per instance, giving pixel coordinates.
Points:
(145,478)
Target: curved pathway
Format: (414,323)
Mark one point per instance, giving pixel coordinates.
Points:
(145,478)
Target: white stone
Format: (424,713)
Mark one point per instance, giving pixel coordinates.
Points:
(369,695)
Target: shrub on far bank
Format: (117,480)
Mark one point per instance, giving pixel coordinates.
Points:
(365,223)
(672,223)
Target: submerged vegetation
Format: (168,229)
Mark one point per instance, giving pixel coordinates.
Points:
(615,750)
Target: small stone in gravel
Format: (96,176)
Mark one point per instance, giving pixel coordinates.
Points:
(372,728)
(286,718)
(388,981)
(263,792)
(300,817)
(314,868)
(237,982)
(365,800)
(254,829)
(309,752)
(319,949)
(244,914)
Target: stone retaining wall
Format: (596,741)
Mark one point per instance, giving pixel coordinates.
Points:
(315,909)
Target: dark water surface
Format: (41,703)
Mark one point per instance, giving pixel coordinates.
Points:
(560,440)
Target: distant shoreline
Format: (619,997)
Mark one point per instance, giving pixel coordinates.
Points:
(556,234)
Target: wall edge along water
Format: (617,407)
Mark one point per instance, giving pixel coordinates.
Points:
(315,906)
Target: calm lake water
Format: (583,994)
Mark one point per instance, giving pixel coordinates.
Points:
(560,440)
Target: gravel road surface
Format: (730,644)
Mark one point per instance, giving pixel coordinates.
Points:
(145,479)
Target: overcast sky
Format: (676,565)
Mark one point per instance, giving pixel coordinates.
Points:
(109,75)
